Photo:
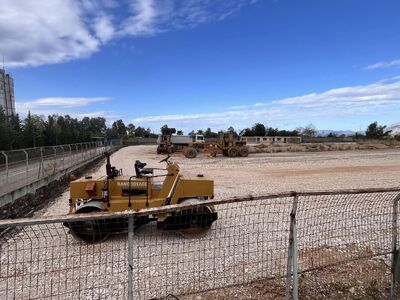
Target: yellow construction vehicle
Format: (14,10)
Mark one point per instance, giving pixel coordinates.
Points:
(228,145)
(116,192)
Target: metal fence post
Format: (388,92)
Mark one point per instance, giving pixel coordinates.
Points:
(6,157)
(41,171)
(76,150)
(63,156)
(27,166)
(292,267)
(70,155)
(130,257)
(55,159)
(91,149)
(395,268)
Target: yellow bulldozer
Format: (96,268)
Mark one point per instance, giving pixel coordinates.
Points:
(228,145)
(116,192)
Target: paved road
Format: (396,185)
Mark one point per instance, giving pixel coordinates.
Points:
(19,174)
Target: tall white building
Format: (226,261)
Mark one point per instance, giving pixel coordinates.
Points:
(7,99)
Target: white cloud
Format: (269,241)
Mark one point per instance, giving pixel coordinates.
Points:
(77,107)
(142,21)
(103,27)
(60,102)
(40,32)
(341,103)
(384,64)
(109,115)
(376,94)
(34,33)
(73,106)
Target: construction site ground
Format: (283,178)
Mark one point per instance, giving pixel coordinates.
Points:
(264,173)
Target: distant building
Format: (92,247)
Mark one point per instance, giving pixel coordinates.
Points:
(7,99)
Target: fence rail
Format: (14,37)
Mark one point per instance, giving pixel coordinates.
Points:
(19,168)
(310,243)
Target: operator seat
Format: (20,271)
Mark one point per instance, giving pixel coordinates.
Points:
(141,170)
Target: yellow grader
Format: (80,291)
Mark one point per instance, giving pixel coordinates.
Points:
(116,192)
(228,145)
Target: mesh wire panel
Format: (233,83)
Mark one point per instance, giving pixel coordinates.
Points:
(247,242)
(349,233)
(344,244)
(45,262)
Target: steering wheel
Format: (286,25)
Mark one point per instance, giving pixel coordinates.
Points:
(165,159)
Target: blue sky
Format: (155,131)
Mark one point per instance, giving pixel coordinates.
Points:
(203,63)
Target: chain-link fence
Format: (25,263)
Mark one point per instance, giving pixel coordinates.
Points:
(22,167)
(314,244)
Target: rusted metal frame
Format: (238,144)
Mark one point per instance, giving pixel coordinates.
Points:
(395,267)
(292,282)
(171,208)
(130,256)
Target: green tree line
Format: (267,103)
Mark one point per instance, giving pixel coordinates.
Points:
(36,131)
(373,131)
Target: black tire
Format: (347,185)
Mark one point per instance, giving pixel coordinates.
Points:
(244,151)
(233,152)
(191,152)
(90,231)
(190,222)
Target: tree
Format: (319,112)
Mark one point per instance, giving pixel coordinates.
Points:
(179,132)
(119,128)
(247,132)
(140,132)
(97,126)
(287,133)
(51,131)
(273,131)
(131,129)
(309,131)
(259,129)
(5,131)
(30,131)
(375,131)
(210,134)
(16,131)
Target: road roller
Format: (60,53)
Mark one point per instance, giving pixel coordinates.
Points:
(147,188)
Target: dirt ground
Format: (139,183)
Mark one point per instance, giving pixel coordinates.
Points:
(263,173)
(247,243)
